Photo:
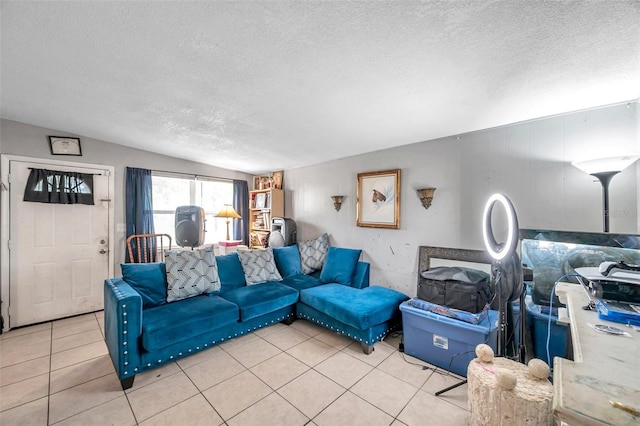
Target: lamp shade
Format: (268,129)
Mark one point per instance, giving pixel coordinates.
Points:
(228,212)
(609,164)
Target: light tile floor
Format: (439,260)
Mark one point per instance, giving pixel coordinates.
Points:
(60,373)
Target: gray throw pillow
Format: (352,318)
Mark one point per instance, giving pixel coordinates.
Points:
(313,252)
(259,266)
(190,273)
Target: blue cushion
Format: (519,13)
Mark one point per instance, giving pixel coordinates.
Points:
(288,260)
(261,299)
(230,272)
(360,308)
(339,265)
(174,322)
(301,281)
(148,279)
(360,278)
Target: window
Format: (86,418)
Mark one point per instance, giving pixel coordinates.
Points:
(61,183)
(170,192)
(50,186)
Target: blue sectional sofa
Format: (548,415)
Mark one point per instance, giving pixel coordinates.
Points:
(142,334)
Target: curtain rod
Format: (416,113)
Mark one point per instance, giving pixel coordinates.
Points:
(62,171)
(191,174)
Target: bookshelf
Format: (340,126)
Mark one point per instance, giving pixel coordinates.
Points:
(264,204)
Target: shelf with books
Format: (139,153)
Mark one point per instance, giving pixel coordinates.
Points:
(260,219)
(258,239)
(264,205)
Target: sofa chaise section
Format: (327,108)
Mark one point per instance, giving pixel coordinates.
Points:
(366,315)
(339,298)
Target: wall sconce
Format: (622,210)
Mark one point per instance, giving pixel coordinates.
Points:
(426,196)
(337,201)
(604,169)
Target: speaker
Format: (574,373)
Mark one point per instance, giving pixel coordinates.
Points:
(189,226)
(283,232)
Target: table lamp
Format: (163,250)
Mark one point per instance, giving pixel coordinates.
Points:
(604,169)
(228,212)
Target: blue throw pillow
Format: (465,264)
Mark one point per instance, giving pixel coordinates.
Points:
(148,279)
(288,260)
(230,272)
(339,265)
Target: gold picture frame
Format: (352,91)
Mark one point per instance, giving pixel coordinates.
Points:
(378,199)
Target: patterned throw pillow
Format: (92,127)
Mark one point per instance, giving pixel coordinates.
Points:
(190,273)
(313,252)
(259,266)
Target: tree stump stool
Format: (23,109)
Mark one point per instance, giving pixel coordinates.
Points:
(530,403)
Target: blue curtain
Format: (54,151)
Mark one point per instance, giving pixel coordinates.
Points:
(139,203)
(241,205)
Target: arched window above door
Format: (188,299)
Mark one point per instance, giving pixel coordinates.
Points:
(58,187)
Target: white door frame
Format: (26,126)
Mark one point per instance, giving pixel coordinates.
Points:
(5,224)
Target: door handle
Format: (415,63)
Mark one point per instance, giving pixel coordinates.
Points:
(103,251)
(103,242)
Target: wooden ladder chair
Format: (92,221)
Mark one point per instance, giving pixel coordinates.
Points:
(146,248)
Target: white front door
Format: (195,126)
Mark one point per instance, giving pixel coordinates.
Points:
(59,253)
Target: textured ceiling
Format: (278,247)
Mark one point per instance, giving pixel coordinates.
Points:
(258,86)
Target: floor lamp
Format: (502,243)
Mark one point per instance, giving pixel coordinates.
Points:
(604,169)
(228,213)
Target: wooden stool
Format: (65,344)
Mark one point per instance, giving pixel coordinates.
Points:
(530,403)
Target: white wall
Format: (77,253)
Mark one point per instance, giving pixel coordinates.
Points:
(638,167)
(529,162)
(31,141)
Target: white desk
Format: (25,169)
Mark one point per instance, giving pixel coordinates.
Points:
(606,367)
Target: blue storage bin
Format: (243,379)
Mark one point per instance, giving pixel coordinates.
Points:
(538,324)
(445,342)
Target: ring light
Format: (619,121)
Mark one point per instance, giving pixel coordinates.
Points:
(497,251)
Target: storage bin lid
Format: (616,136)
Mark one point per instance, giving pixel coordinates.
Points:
(412,316)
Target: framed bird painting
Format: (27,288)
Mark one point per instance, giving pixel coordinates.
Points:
(378,199)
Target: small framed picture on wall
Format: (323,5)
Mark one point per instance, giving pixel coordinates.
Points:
(62,145)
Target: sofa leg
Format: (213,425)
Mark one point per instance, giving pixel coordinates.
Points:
(367,349)
(127,383)
(289,320)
